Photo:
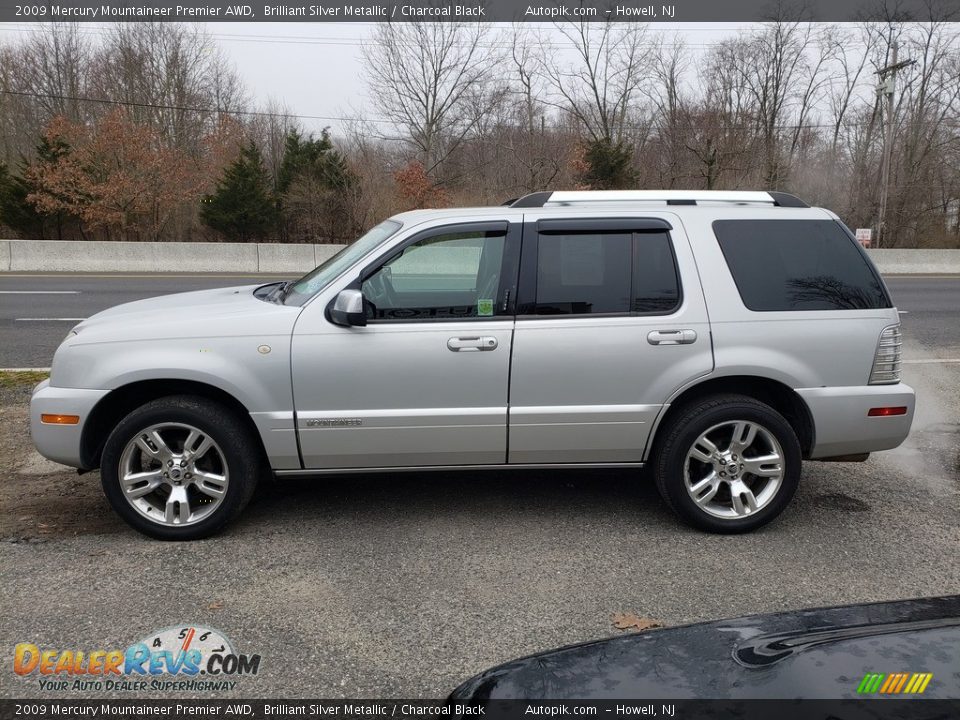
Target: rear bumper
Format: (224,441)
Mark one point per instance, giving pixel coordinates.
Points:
(841,424)
(61,443)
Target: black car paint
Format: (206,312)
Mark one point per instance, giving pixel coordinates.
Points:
(808,654)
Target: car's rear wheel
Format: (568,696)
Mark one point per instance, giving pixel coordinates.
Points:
(180,468)
(728,464)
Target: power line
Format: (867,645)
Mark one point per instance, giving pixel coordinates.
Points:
(186,108)
(386,121)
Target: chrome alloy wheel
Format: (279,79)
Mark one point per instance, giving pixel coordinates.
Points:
(734,469)
(173,474)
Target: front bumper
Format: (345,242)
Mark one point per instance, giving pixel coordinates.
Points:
(841,424)
(61,443)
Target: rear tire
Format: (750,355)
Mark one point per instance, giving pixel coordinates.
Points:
(727,464)
(180,467)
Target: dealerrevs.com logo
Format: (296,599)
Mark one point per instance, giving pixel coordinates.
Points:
(187,658)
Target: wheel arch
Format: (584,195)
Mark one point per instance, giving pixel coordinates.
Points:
(120,401)
(782,398)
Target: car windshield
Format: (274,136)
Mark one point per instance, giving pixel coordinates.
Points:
(318,278)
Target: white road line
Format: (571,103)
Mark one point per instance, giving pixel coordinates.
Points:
(48,319)
(39,292)
(24,369)
(931,361)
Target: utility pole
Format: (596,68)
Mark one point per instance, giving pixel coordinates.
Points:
(887,88)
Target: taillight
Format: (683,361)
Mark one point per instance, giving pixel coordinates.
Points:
(886,361)
(887,411)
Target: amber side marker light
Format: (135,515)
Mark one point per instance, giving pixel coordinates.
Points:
(887,411)
(59,419)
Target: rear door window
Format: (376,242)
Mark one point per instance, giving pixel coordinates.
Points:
(783,265)
(584,274)
(605,273)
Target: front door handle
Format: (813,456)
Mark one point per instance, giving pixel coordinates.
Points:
(472,344)
(672,337)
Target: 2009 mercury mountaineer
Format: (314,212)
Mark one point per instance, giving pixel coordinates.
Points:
(717,337)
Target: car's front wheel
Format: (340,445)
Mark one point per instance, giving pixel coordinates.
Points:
(728,463)
(180,468)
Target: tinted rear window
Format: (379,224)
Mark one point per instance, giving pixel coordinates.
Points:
(798,265)
(584,274)
(605,273)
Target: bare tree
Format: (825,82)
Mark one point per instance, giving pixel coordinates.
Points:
(668,70)
(269,129)
(45,76)
(534,153)
(426,77)
(927,126)
(849,75)
(167,73)
(600,86)
(781,82)
(788,105)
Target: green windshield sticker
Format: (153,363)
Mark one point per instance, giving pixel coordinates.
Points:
(484,307)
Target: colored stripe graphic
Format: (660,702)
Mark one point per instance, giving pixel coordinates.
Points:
(894,683)
(903,681)
(914,683)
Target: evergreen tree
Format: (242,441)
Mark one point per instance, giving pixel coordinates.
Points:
(242,207)
(315,188)
(609,165)
(15,212)
(313,156)
(20,214)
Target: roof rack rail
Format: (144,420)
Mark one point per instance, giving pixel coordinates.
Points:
(670,197)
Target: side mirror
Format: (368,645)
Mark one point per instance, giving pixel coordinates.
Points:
(348,310)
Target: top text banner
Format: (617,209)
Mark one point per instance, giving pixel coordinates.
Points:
(465,10)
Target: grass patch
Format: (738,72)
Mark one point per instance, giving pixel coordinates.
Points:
(19,378)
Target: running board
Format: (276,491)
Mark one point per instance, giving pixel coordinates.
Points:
(438,468)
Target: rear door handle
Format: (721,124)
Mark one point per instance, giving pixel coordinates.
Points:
(472,344)
(672,337)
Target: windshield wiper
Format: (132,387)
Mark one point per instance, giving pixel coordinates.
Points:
(282,290)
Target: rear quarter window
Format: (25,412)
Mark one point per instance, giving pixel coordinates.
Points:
(781,265)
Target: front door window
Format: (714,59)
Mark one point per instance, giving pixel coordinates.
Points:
(442,277)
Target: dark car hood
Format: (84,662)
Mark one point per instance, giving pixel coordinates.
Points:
(822,653)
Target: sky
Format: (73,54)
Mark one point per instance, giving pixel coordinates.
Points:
(316,69)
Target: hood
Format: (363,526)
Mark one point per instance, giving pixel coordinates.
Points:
(202,313)
(812,654)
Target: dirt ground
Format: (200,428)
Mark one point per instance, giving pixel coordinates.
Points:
(51,501)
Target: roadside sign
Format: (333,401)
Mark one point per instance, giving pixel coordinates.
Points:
(864,236)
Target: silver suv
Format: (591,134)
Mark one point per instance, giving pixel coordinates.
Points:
(717,338)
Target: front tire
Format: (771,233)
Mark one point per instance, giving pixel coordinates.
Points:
(180,468)
(728,464)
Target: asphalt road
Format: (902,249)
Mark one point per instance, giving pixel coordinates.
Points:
(36,311)
(403,585)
